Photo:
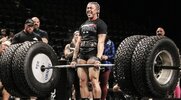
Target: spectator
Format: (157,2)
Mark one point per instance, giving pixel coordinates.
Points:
(3,33)
(43,34)
(26,34)
(3,46)
(107,58)
(5,42)
(6,34)
(71,72)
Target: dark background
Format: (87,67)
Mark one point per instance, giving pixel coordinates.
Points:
(123,17)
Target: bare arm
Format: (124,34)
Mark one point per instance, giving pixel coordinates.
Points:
(100,46)
(67,51)
(77,47)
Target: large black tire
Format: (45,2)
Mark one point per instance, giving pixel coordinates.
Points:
(6,71)
(148,79)
(27,73)
(122,70)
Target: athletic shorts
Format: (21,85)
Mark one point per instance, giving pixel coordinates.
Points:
(87,53)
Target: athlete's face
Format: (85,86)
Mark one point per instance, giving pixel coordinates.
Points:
(91,11)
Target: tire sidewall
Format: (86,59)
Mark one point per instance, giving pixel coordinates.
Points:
(34,50)
(168,45)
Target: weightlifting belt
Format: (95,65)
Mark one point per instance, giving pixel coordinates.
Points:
(88,44)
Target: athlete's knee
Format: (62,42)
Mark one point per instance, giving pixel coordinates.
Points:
(83,82)
(95,84)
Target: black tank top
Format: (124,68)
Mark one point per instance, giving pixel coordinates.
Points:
(89,31)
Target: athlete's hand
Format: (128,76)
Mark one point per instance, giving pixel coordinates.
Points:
(73,63)
(104,57)
(97,63)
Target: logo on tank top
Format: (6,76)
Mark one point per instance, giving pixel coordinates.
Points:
(88,28)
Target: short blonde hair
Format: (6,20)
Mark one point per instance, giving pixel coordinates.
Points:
(77,31)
